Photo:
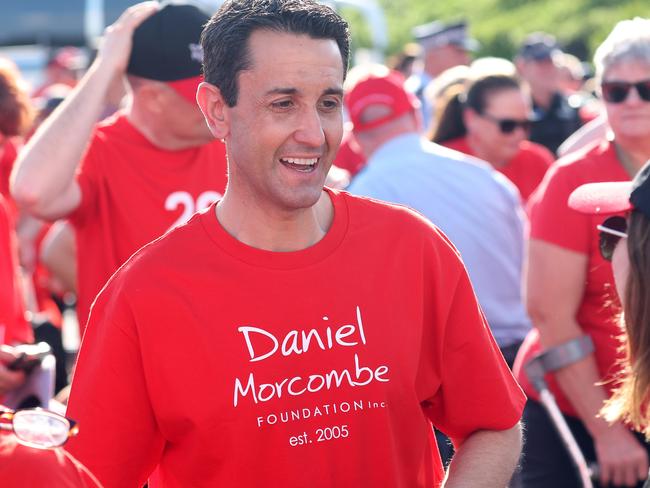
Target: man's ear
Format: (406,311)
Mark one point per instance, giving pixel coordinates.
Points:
(214,109)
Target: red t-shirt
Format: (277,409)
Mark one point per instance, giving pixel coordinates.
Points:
(13,326)
(132,192)
(526,170)
(551,220)
(8,154)
(235,366)
(26,467)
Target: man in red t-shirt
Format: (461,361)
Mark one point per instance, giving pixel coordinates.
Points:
(290,335)
(147,169)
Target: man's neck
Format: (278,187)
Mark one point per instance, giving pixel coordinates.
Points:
(157,134)
(543,99)
(477,151)
(271,229)
(384,135)
(632,153)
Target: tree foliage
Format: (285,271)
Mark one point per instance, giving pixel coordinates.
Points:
(501,25)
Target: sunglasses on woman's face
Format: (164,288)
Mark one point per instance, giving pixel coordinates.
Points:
(508,126)
(618,91)
(611,231)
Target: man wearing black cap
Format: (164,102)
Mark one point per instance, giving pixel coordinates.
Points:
(555,118)
(128,180)
(443,46)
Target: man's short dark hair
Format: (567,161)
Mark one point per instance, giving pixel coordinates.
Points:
(225,37)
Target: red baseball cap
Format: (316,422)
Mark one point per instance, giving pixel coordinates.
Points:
(379,89)
(614,197)
(187,87)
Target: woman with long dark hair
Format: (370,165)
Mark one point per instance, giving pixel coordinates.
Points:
(625,241)
(489,117)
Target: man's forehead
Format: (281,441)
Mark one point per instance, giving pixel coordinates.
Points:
(286,63)
(267,48)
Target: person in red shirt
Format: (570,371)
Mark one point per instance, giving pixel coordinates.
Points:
(16,117)
(571,290)
(490,119)
(139,173)
(14,329)
(290,335)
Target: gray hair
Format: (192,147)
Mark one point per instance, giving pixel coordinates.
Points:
(628,41)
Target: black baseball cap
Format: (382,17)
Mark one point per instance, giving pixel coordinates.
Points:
(614,197)
(167,47)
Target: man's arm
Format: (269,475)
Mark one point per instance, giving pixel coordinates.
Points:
(43,180)
(58,254)
(556,280)
(487,458)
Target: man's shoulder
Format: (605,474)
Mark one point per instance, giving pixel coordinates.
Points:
(162,256)
(533,151)
(436,169)
(584,162)
(478,176)
(378,219)
(375,208)
(112,125)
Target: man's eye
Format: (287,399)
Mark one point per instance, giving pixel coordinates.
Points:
(330,104)
(282,104)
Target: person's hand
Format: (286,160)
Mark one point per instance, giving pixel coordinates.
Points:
(622,461)
(9,380)
(115,48)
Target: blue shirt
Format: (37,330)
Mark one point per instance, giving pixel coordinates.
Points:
(478,208)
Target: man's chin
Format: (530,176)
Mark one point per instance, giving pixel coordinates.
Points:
(303,198)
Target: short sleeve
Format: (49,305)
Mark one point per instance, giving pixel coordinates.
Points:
(476,389)
(88,177)
(551,219)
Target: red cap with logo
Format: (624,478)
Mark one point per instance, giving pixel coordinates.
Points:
(379,89)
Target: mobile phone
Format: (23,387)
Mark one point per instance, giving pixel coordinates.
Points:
(29,356)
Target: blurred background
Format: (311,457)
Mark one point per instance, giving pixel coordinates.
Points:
(31,31)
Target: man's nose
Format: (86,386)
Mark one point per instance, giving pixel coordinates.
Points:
(310,130)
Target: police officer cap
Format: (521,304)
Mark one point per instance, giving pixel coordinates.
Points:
(436,34)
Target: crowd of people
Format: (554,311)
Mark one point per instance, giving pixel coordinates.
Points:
(288,274)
